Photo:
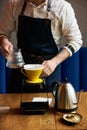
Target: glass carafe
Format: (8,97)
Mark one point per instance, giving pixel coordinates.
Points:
(15,59)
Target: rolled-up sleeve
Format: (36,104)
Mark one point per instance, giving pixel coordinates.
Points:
(7,23)
(70,30)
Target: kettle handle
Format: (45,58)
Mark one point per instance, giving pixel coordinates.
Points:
(54,87)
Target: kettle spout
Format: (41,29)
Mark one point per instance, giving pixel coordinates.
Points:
(78,97)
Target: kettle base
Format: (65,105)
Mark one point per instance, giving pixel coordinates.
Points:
(65,110)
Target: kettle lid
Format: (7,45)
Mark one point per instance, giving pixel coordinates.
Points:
(66,83)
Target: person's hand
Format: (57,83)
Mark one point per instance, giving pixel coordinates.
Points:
(49,67)
(6,46)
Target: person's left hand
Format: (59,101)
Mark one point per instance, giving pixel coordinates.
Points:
(49,67)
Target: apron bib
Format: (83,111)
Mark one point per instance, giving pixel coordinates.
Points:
(37,44)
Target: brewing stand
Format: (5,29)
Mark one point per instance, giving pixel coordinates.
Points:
(27,105)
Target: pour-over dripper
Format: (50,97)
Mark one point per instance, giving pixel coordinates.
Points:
(32,72)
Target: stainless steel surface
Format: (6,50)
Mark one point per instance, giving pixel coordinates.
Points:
(65,97)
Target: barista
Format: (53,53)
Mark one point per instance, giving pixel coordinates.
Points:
(39,25)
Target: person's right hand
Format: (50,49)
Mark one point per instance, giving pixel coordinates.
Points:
(6,46)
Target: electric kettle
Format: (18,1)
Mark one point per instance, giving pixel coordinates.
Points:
(65,97)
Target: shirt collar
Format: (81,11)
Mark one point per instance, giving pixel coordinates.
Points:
(41,5)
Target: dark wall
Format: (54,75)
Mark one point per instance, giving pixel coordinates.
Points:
(13,35)
(80,7)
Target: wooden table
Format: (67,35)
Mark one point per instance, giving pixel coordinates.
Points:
(14,120)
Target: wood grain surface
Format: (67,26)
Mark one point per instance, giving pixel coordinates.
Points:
(50,120)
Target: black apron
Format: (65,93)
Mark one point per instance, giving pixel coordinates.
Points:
(37,44)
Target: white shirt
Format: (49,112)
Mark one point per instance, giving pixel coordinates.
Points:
(61,14)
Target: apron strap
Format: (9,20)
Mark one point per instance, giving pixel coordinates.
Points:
(23,8)
(49,5)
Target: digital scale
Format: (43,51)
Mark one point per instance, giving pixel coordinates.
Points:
(36,107)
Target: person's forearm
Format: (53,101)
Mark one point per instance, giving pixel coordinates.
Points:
(6,46)
(59,58)
(3,39)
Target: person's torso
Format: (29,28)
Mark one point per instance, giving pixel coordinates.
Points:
(34,34)
(41,12)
